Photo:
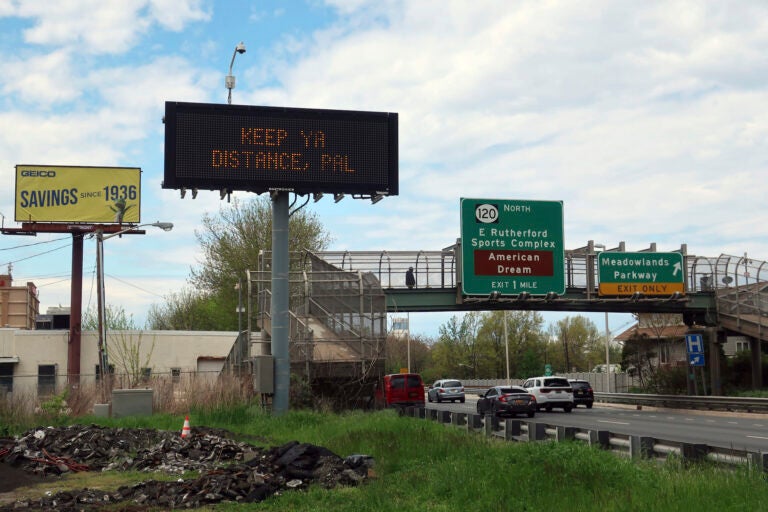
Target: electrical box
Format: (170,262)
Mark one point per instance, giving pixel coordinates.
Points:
(264,374)
(131,402)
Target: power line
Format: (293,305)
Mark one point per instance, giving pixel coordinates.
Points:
(35,255)
(33,243)
(134,286)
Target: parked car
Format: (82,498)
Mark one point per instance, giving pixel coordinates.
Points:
(403,389)
(506,401)
(551,392)
(445,390)
(582,393)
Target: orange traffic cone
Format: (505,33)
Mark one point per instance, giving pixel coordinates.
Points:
(185,430)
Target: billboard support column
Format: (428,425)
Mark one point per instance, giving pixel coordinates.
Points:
(75,312)
(279,307)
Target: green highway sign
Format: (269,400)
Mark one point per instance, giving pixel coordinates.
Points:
(650,273)
(512,246)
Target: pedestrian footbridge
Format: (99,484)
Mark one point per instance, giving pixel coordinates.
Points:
(727,291)
(339,301)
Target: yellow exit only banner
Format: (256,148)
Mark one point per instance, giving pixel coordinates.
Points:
(646,288)
(649,273)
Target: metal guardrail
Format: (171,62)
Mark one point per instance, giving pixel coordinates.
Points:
(635,447)
(705,403)
(699,403)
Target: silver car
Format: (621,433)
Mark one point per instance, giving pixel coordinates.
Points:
(446,390)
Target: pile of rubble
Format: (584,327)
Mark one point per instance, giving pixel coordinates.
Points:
(229,470)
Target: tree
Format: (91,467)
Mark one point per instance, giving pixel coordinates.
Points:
(397,353)
(524,335)
(231,243)
(124,352)
(115,318)
(637,357)
(126,355)
(455,352)
(581,344)
(658,324)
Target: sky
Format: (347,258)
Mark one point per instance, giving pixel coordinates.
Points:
(649,120)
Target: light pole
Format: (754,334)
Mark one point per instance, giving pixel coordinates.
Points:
(506,346)
(229,80)
(103,355)
(408,338)
(607,356)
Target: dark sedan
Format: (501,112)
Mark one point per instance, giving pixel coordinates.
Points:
(506,401)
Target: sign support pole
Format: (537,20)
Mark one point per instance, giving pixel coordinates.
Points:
(279,306)
(75,313)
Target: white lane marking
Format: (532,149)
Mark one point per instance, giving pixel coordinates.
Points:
(758,437)
(614,422)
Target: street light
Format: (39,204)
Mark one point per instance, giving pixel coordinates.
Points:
(229,80)
(103,356)
(506,346)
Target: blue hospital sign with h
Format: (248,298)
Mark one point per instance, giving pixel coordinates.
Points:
(694,343)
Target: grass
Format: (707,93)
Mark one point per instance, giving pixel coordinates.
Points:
(430,467)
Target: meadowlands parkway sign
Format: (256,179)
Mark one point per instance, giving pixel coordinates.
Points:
(511,247)
(650,273)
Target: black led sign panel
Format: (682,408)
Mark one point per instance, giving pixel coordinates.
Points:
(257,149)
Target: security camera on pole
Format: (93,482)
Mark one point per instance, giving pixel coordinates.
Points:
(229,80)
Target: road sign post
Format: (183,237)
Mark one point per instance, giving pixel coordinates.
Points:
(649,273)
(694,346)
(511,247)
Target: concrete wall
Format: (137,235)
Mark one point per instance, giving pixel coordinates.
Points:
(168,349)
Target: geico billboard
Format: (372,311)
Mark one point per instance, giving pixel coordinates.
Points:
(55,193)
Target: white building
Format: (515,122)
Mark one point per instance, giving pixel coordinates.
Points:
(35,361)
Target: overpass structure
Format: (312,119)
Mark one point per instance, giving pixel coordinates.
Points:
(339,301)
(724,291)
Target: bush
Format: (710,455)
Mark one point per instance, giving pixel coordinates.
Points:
(670,381)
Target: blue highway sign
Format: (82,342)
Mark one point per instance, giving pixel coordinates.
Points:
(694,343)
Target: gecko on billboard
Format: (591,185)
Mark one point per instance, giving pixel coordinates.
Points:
(57,193)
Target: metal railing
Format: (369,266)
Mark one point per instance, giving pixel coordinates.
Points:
(632,446)
(703,403)
(439,269)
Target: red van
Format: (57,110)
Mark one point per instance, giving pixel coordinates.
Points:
(403,389)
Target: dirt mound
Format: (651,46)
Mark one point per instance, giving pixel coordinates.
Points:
(229,470)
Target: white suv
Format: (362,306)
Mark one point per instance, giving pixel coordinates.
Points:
(551,392)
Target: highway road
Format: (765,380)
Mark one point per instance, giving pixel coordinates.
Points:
(739,431)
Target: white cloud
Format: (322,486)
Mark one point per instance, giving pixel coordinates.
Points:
(103,27)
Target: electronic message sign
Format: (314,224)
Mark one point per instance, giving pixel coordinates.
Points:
(96,195)
(650,273)
(512,246)
(257,149)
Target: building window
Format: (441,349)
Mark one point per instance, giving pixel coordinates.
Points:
(742,346)
(46,379)
(6,377)
(175,375)
(664,353)
(146,373)
(98,371)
